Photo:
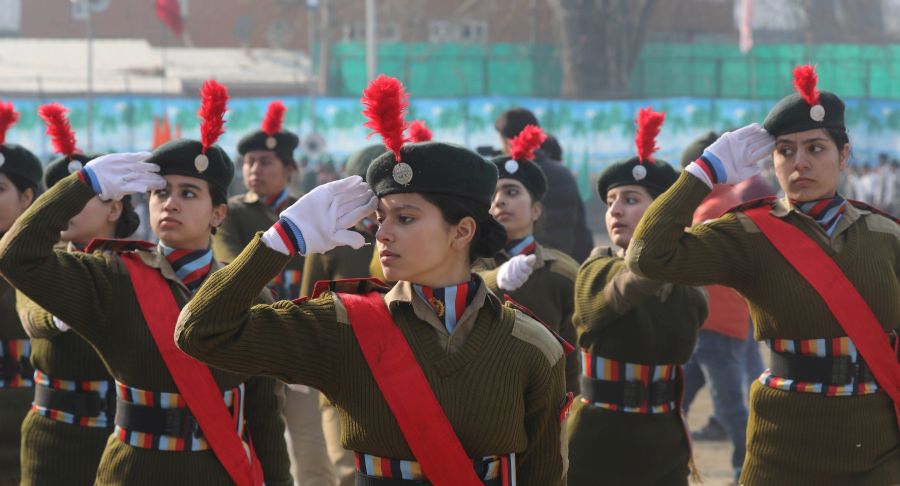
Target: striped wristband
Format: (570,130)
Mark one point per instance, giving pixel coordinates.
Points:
(290,236)
(712,167)
(88,177)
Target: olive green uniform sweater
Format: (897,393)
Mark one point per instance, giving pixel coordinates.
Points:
(48,455)
(548,292)
(246,216)
(14,402)
(631,319)
(501,387)
(93,294)
(792,437)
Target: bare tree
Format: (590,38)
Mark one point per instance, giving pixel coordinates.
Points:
(600,41)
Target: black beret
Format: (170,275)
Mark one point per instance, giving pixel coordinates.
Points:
(437,168)
(282,143)
(63,166)
(358,162)
(180,157)
(19,161)
(657,177)
(696,148)
(793,114)
(527,172)
(513,121)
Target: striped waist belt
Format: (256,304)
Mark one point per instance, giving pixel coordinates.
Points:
(88,403)
(15,364)
(827,366)
(162,421)
(379,471)
(628,387)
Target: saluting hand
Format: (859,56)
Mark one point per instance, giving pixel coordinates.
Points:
(114,176)
(733,157)
(318,221)
(515,272)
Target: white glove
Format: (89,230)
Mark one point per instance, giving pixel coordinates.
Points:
(114,176)
(318,221)
(733,157)
(515,272)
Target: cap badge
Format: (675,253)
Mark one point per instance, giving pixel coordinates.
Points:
(201,163)
(817,113)
(511,166)
(74,166)
(271,143)
(2,159)
(639,172)
(403,173)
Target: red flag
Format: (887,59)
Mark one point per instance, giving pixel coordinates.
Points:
(169,11)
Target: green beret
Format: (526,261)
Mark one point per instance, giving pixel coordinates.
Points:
(793,114)
(525,171)
(181,157)
(358,162)
(696,148)
(282,143)
(19,161)
(657,177)
(434,167)
(63,166)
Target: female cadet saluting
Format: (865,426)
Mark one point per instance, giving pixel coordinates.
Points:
(634,334)
(540,278)
(177,421)
(431,377)
(64,434)
(822,414)
(20,177)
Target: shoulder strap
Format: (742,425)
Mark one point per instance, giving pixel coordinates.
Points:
(873,209)
(753,203)
(193,379)
(407,392)
(117,245)
(843,300)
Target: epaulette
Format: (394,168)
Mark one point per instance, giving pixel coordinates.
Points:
(349,286)
(566,345)
(602,251)
(753,203)
(869,207)
(117,245)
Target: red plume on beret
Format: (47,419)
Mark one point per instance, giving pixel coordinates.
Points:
(523,145)
(274,118)
(805,81)
(58,127)
(649,123)
(8,118)
(386,101)
(419,132)
(213,99)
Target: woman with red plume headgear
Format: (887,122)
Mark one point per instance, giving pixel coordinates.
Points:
(436,380)
(65,433)
(633,334)
(539,277)
(20,182)
(820,274)
(177,421)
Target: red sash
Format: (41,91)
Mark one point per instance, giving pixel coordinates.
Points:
(406,390)
(194,380)
(843,300)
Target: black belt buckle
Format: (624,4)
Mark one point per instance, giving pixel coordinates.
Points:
(660,392)
(843,370)
(634,394)
(180,423)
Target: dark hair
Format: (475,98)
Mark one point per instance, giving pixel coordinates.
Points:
(128,221)
(512,121)
(218,195)
(490,236)
(838,136)
(552,148)
(22,183)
